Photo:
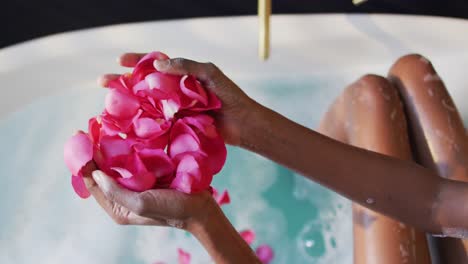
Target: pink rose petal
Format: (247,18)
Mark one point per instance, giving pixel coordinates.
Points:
(114,146)
(215,150)
(204,123)
(265,253)
(135,177)
(222,198)
(184,257)
(169,108)
(248,235)
(211,143)
(191,174)
(157,162)
(147,127)
(77,152)
(193,90)
(121,105)
(138,183)
(80,187)
(153,133)
(183,139)
(168,84)
(145,65)
(94,128)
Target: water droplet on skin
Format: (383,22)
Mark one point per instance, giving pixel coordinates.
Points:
(448,106)
(431,77)
(386,96)
(430,92)
(403,251)
(393,114)
(370,201)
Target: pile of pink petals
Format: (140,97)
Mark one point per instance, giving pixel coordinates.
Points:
(155,132)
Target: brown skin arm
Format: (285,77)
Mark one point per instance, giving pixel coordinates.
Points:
(381,183)
(385,184)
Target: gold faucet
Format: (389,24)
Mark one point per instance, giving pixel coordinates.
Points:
(264,12)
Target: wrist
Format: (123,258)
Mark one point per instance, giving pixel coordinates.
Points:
(249,123)
(210,214)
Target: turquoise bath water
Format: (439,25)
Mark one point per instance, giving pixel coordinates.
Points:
(43,221)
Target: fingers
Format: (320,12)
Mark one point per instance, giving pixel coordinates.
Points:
(113,192)
(105,79)
(130,59)
(119,214)
(204,72)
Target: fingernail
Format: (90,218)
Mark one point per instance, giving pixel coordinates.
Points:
(160,64)
(98,176)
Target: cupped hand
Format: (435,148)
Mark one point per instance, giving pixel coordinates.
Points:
(236,104)
(161,207)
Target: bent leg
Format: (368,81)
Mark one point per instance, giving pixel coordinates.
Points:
(437,133)
(369,115)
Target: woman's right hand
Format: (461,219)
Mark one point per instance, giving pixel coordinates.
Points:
(236,104)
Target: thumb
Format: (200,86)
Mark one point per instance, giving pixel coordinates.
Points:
(116,193)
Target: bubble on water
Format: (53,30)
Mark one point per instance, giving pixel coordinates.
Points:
(317,241)
(311,241)
(333,242)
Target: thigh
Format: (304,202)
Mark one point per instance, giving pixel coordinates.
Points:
(369,115)
(437,133)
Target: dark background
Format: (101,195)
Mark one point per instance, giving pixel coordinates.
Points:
(27,19)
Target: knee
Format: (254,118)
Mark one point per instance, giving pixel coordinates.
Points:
(373,91)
